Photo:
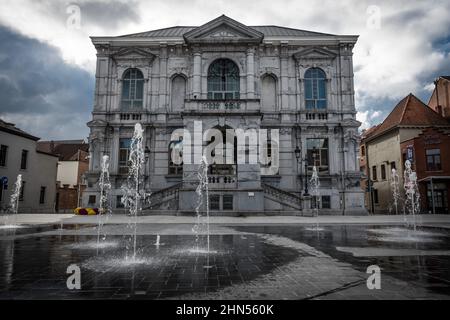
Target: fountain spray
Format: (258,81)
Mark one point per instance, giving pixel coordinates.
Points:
(105,187)
(412,203)
(133,190)
(395,182)
(14,202)
(315,184)
(202,192)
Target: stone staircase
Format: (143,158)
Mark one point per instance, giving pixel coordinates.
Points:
(280,199)
(164,199)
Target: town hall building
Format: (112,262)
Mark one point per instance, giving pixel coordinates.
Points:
(228,75)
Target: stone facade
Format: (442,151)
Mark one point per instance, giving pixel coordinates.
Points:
(175,64)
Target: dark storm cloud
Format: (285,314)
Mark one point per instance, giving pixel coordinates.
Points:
(35,81)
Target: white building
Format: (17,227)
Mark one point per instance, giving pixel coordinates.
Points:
(18,155)
(229,75)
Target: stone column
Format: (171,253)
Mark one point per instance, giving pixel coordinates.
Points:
(197,74)
(284,76)
(162,78)
(250,73)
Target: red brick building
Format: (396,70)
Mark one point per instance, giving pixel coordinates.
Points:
(431,160)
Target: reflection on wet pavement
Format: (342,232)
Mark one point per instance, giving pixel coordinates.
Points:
(249,262)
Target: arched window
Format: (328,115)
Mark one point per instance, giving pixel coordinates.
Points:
(315,89)
(268,93)
(223,80)
(132,89)
(178,93)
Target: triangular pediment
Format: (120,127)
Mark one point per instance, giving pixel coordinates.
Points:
(133,53)
(223,30)
(315,53)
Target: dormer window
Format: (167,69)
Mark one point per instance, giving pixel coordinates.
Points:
(223,80)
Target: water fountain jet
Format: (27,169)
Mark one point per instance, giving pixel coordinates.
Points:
(133,190)
(14,204)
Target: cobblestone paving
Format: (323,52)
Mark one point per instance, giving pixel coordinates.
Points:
(247,262)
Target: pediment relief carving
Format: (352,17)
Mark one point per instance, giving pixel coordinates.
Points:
(315,54)
(133,56)
(225,30)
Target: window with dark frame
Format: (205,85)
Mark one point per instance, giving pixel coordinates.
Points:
(24,159)
(92,199)
(223,80)
(393,165)
(132,89)
(433,159)
(3,155)
(383,172)
(374,173)
(42,195)
(317,154)
(174,169)
(119,203)
(227,202)
(315,89)
(124,152)
(326,202)
(214,202)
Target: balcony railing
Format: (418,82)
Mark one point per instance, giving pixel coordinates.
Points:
(222,106)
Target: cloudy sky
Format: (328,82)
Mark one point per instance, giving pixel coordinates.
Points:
(47,62)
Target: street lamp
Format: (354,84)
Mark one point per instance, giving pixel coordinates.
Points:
(298,154)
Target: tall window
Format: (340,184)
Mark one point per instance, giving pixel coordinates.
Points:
(223,80)
(383,172)
(124,152)
(42,195)
(374,173)
(3,153)
(23,159)
(315,89)
(317,153)
(433,159)
(132,89)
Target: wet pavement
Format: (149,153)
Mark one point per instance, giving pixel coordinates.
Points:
(245,262)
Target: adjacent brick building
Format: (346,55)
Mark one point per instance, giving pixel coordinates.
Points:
(431,161)
(411,131)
